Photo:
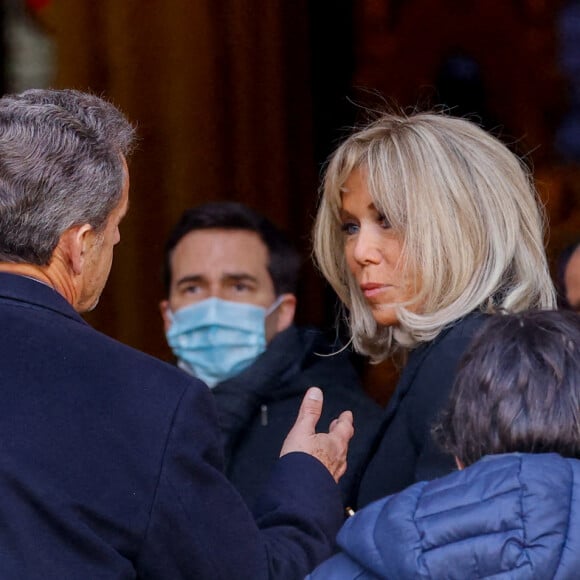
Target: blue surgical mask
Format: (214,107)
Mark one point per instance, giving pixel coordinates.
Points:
(217,339)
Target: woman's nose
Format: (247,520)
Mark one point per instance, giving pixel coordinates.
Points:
(366,247)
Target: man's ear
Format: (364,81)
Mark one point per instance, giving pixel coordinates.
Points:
(285,312)
(164,309)
(74,244)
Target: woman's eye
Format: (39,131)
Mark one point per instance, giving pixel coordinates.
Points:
(385,223)
(349,228)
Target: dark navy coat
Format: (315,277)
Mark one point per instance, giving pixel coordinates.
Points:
(111,465)
(257,407)
(404,451)
(507,517)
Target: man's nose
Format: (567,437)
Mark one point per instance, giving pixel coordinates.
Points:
(216,292)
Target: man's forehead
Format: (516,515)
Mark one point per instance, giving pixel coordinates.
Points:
(220,252)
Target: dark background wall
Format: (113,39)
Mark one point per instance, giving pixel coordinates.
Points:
(244,99)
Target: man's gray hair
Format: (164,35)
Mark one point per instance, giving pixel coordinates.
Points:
(61,165)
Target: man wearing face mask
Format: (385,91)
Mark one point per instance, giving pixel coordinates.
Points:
(230,278)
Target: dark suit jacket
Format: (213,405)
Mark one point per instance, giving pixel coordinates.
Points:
(110,464)
(404,451)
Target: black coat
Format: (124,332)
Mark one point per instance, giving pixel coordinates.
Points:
(111,465)
(404,451)
(258,406)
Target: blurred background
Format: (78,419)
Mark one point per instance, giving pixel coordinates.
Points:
(245,99)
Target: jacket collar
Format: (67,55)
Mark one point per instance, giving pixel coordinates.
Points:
(33,292)
(418,356)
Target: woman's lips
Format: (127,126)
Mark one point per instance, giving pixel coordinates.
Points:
(372,289)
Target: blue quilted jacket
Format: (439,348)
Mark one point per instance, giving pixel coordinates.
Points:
(511,516)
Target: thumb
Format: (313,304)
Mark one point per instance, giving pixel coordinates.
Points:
(310,410)
(304,428)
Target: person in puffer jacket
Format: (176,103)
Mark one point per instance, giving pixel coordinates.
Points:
(512,511)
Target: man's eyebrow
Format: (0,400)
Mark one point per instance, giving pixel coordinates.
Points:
(189,278)
(228,276)
(239,277)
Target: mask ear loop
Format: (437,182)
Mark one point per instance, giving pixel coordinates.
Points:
(274,305)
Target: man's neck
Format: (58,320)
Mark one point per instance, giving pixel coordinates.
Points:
(28,270)
(42,274)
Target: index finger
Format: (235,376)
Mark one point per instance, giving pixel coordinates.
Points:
(343,425)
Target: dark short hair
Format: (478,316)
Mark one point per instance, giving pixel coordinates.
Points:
(562,264)
(517,389)
(283,258)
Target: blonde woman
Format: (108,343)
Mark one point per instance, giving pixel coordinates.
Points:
(426,224)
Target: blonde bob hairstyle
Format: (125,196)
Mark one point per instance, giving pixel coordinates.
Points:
(467,215)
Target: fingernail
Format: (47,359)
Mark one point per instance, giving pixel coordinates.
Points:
(315,393)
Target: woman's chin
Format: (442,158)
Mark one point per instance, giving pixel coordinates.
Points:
(385,315)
